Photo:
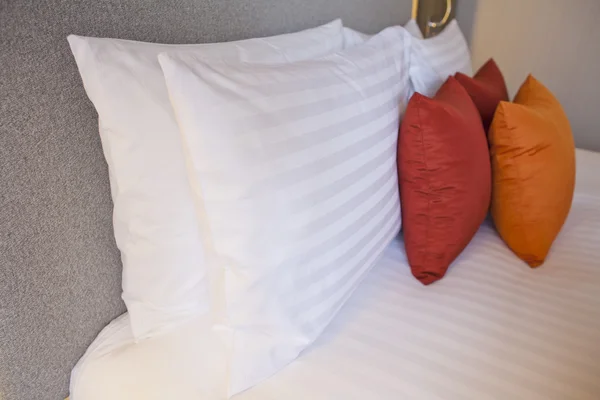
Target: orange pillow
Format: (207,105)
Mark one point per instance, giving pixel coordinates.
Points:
(487,89)
(445,178)
(533,169)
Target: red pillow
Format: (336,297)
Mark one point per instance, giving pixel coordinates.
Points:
(445,178)
(487,89)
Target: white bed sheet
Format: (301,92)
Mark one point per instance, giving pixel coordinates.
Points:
(491,329)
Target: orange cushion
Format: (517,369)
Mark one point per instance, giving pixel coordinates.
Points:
(487,89)
(533,165)
(445,178)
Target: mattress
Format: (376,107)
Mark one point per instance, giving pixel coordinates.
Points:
(491,329)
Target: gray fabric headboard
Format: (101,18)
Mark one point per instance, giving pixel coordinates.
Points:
(60,270)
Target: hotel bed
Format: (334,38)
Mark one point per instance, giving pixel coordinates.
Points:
(491,329)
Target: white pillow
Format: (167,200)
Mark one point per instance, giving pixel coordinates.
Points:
(154,218)
(353,37)
(434,59)
(413,28)
(294,173)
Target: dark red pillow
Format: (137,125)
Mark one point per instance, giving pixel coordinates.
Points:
(445,178)
(487,89)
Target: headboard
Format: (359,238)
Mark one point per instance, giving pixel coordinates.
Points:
(60,270)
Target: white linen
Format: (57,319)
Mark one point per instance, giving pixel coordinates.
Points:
(434,59)
(413,28)
(154,218)
(493,329)
(353,37)
(294,171)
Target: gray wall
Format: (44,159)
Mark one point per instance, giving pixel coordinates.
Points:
(465,15)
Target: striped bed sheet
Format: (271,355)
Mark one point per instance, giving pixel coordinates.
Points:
(491,329)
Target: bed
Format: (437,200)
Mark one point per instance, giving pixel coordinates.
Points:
(492,329)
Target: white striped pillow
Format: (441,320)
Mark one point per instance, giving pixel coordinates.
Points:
(353,37)
(294,174)
(164,282)
(413,28)
(434,59)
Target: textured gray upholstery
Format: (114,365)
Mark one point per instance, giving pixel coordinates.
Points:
(60,270)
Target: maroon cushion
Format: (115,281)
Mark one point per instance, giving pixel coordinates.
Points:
(487,89)
(445,178)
